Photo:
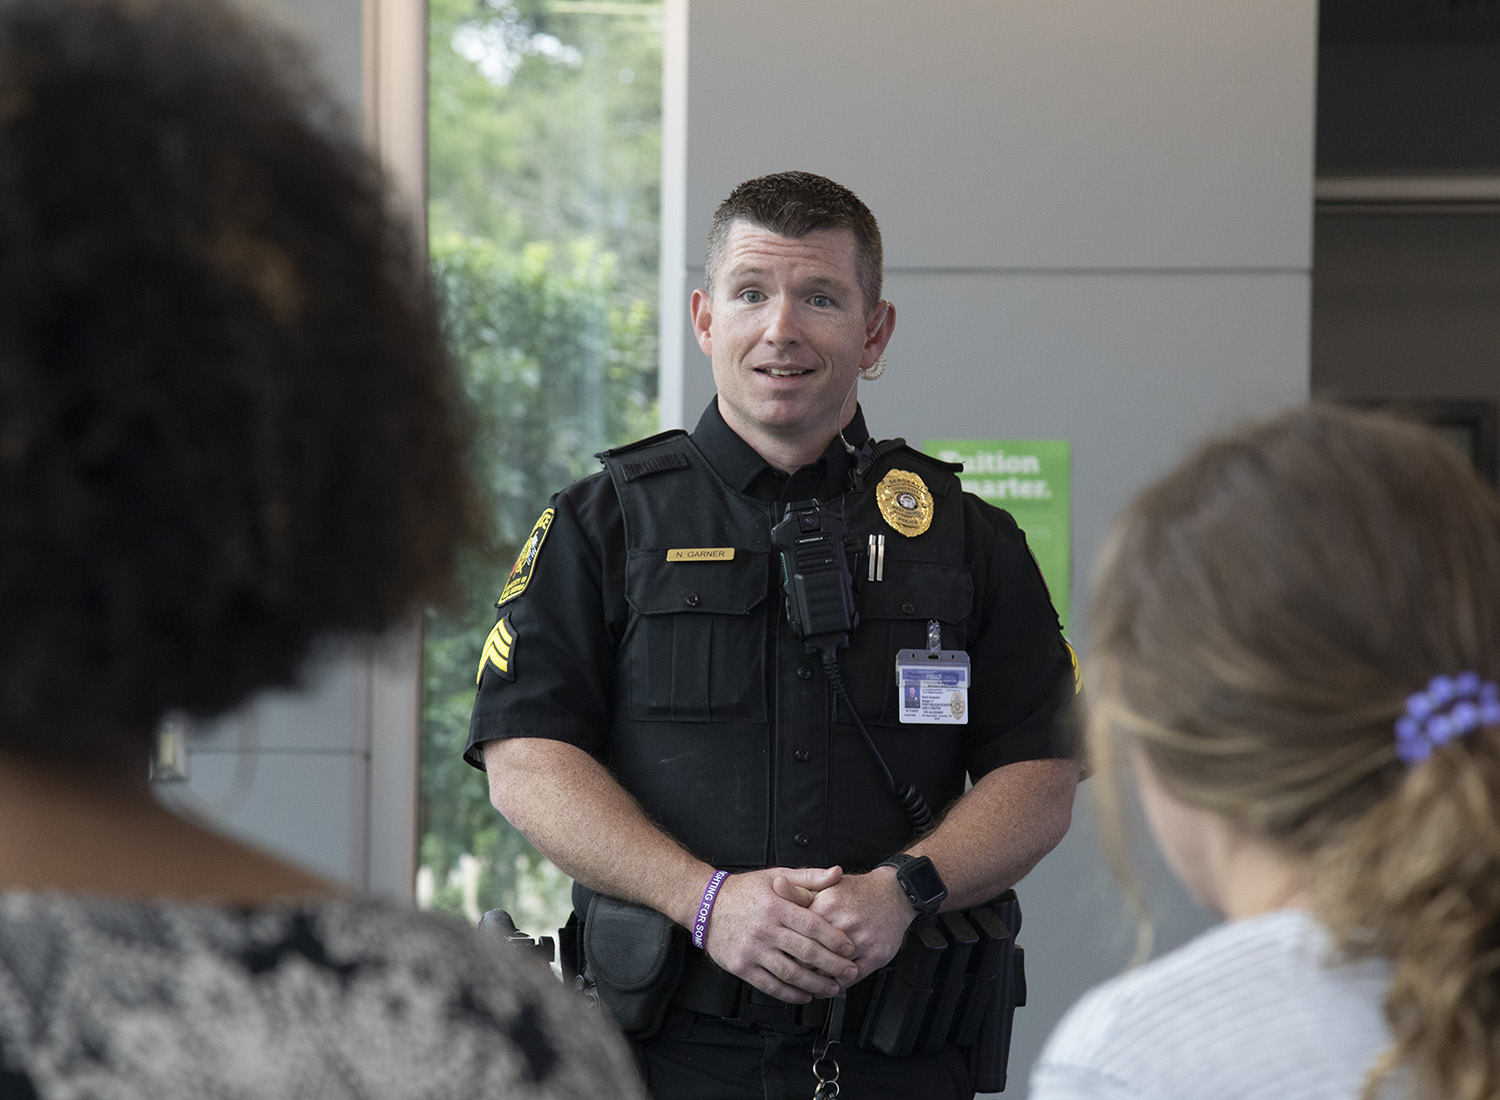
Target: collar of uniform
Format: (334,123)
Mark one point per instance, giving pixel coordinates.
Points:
(742,467)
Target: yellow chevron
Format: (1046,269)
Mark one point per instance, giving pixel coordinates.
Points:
(497,650)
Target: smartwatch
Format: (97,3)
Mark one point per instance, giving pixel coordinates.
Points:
(919,880)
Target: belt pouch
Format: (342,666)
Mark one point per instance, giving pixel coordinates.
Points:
(948,983)
(903,992)
(991,1050)
(633,955)
(989,954)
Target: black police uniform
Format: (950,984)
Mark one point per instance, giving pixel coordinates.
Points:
(680,673)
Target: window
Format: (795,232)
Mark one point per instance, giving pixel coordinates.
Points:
(543,207)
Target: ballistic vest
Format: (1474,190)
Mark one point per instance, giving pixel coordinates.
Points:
(726,729)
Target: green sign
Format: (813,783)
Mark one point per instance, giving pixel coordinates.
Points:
(1030,479)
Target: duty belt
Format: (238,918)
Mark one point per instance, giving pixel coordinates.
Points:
(955,982)
(708,990)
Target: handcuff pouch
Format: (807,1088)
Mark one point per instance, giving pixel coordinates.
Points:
(633,956)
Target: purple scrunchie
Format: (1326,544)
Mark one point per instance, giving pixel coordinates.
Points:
(1452,706)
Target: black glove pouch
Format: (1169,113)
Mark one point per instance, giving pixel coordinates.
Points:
(634,959)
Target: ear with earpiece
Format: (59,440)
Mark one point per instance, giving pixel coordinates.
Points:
(877,368)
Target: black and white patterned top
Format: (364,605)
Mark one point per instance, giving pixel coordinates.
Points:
(113,999)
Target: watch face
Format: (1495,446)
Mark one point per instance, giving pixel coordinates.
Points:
(924,880)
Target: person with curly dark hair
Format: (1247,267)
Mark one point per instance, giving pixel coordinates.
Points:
(1295,651)
(228,432)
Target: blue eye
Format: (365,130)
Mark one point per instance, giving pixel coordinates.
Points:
(822,301)
(752,296)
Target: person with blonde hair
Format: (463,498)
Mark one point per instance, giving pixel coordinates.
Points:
(1295,650)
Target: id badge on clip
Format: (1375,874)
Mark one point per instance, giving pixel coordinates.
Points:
(934,686)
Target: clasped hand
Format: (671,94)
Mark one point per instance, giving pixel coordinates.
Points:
(800,933)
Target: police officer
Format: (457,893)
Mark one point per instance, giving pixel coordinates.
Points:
(648,716)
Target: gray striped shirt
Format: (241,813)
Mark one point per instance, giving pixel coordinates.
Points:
(1250,1010)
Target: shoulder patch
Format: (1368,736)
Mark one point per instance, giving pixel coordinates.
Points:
(520,573)
(499,651)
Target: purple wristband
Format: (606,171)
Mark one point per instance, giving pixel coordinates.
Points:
(706,906)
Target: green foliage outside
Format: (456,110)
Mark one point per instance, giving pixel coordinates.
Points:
(544,176)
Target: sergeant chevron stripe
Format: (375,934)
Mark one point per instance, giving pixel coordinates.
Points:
(499,651)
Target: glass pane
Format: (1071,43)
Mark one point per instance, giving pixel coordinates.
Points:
(544,176)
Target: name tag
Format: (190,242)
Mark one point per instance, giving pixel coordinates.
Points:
(702,553)
(934,686)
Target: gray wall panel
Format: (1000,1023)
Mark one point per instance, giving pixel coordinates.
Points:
(1035,133)
(1130,368)
(333,30)
(306,807)
(327,714)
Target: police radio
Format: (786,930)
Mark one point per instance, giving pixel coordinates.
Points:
(812,543)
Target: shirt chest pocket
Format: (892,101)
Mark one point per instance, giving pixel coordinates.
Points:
(893,615)
(695,647)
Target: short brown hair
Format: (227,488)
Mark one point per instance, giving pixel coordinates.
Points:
(1260,616)
(795,204)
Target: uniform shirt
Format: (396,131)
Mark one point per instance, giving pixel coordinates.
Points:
(562,681)
(1256,1009)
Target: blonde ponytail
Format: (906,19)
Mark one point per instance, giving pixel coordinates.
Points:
(1417,881)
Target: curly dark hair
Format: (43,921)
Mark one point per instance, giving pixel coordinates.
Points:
(228,426)
(794,204)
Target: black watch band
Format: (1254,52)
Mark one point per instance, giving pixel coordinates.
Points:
(919,880)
